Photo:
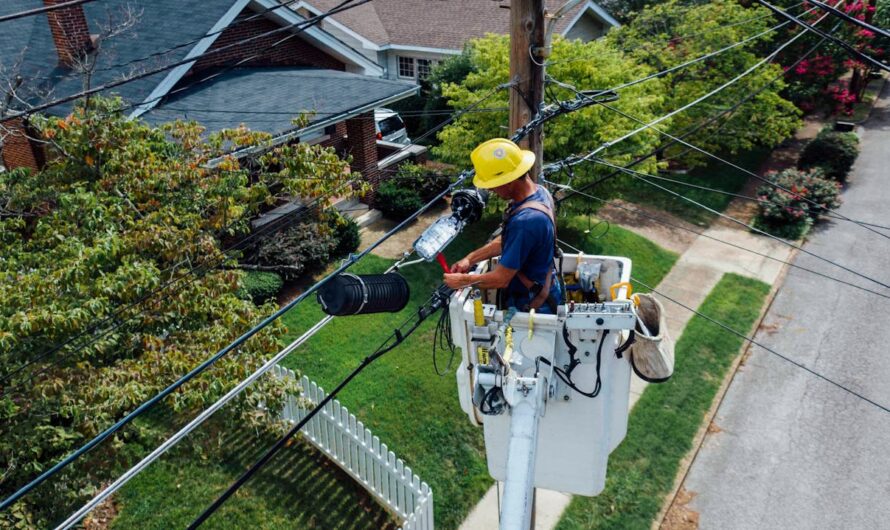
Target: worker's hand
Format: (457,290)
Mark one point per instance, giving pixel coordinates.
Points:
(461,266)
(455,280)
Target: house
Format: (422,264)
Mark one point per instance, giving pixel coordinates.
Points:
(258,83)
(407,37)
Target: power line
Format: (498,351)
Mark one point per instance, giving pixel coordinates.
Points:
(93,333)
(556,167)
(438,301)
(41,10)
(848,18)
(746,171)
(164,52)
(300,26)
(696,101)
(705,56)
(644,178)
(840,42)
(746,338)
(642,213)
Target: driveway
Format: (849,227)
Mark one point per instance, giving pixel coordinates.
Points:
(790,450)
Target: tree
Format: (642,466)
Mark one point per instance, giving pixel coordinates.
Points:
(587,66)
(671,33)
(121,210)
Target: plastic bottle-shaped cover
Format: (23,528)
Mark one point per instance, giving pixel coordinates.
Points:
(435,238)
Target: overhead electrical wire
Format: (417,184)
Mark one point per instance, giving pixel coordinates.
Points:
(438,301)
(840,42)
(696,101)
(704,57)
(746,171)
(861,23)
(41,10)
(118,66)
(647,215)
(95,332)
(643,177)
(298,26)
(751,340)
(556,167)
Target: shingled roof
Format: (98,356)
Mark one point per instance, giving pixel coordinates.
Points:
(432,24)
(26,45)
(264,99)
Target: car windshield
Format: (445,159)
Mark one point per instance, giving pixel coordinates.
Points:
(391,125)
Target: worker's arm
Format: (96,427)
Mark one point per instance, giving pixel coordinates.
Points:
(489,250)
(499,278)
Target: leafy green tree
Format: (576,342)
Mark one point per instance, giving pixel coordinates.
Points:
(586,66)
(653,38)
(123,209)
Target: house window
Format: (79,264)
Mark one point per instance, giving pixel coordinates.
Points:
(406,67)
(424,66)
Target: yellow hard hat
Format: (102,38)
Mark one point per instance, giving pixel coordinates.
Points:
(499,161)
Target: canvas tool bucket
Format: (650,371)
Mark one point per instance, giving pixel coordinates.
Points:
(652,353)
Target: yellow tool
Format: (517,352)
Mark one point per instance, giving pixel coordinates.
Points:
(478,316)
(482,354)
(508,344)
(613,291)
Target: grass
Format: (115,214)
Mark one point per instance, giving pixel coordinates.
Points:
(299,489)
(401,399)
(714,175)
(665,420)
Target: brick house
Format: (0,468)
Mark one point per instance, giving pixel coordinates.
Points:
(407,37)
(311,72)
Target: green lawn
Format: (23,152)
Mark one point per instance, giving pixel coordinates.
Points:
(715,175)
(666,418)
(400,398)
(300,488)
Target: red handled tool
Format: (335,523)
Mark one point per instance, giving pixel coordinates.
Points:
(441,259)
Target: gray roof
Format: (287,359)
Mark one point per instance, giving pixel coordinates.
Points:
(155,31)
(267,99)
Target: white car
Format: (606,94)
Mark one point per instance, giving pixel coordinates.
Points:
(390,126)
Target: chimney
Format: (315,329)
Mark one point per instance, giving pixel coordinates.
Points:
(70,32)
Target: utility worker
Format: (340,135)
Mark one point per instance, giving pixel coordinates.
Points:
(527,241)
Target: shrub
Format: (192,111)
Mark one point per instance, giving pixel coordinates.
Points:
(299,248)
(346,235)
(397,202)
(260,286)
(788,214)
(421,179)
(833,152)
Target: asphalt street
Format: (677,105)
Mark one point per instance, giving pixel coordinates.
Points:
(793,451)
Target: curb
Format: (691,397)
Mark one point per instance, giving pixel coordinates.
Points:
(670,500)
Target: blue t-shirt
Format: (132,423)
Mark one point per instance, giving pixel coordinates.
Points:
(528,247)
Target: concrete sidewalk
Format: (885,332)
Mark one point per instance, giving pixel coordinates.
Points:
(696,272)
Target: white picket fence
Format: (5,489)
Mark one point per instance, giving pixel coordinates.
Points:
(346,441)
